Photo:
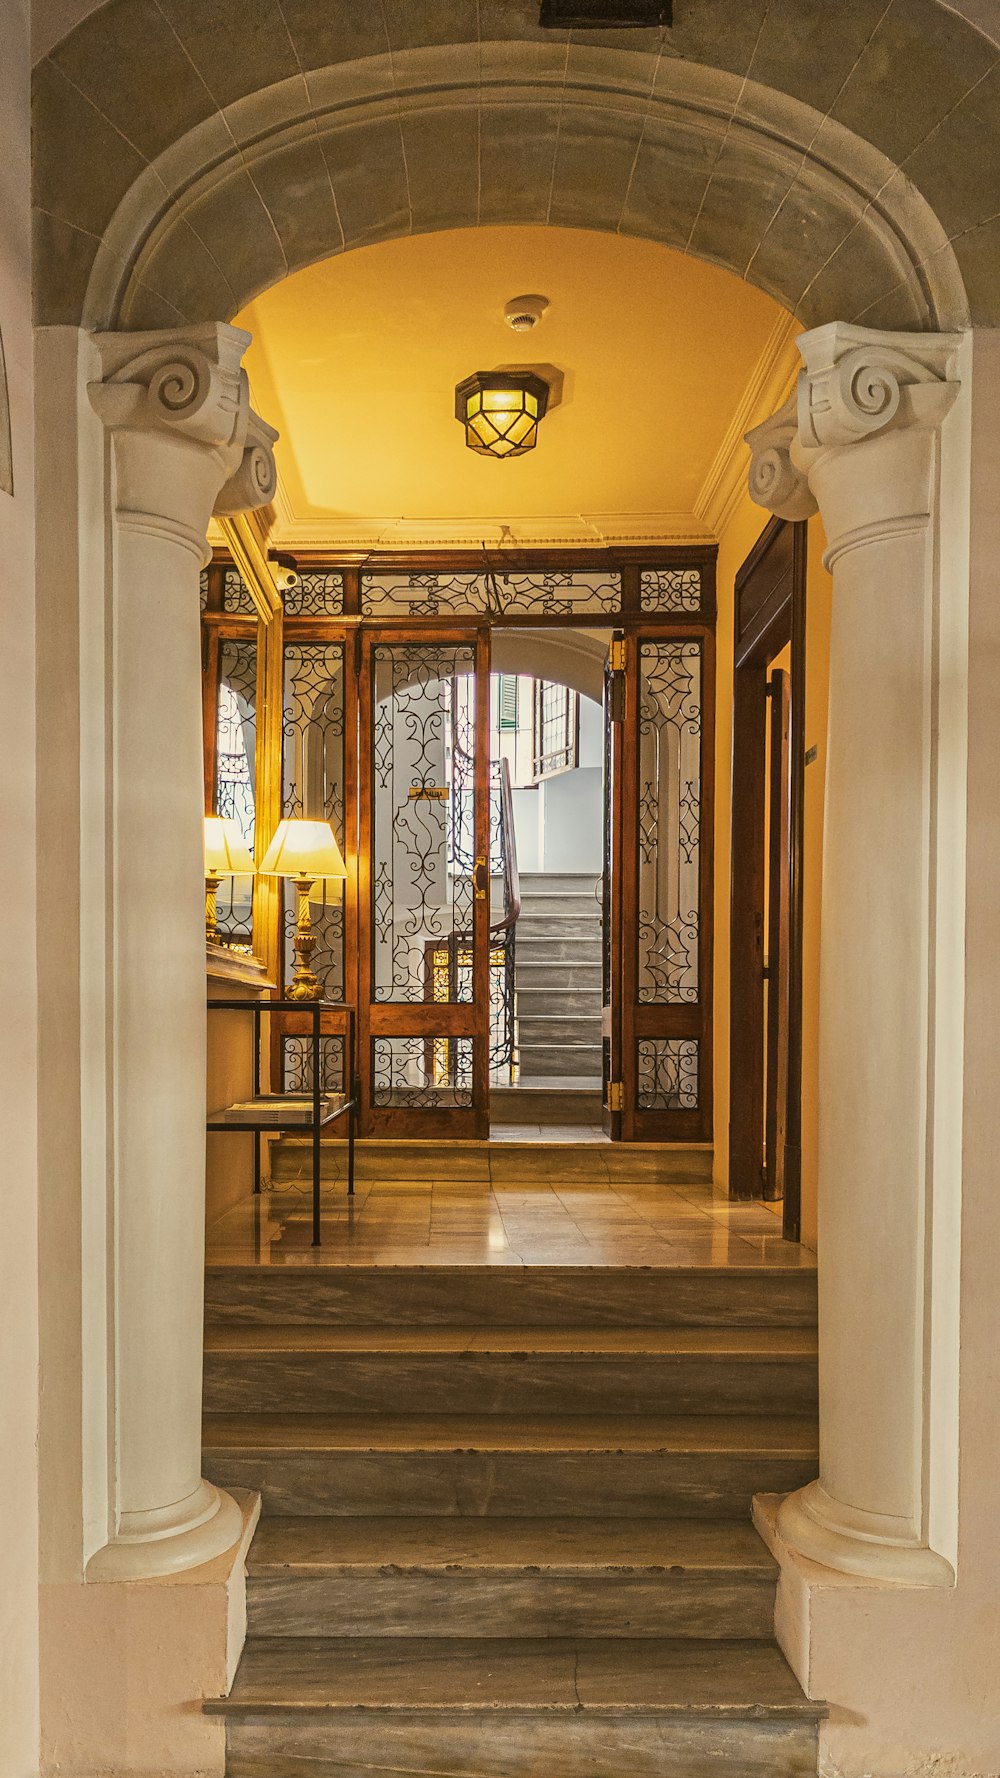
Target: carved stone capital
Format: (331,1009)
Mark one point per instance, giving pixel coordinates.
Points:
(186,440)
(775,481)
(255,481)
(858,382)
(190,383)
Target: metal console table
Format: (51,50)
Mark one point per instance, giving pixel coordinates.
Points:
(285,1112)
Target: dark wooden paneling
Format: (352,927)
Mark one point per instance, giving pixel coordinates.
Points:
(770,611)
(776,1104)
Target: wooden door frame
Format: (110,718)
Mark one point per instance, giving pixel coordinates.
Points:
(769,614)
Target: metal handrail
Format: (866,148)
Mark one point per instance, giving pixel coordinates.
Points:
(511,877)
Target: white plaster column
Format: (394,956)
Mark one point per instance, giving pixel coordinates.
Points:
(183,441)
(862,442)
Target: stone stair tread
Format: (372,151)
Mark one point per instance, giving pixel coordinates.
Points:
(769,1436)
(669,1677)
(735,1345)
(313,1547)
(572,1049)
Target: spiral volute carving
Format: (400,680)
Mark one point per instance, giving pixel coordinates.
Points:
(183,387)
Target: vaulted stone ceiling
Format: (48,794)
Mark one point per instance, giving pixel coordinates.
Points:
(846,158)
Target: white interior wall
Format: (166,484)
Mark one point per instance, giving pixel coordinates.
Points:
(19,1733)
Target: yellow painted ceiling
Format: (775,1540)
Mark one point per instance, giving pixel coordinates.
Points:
(355,360)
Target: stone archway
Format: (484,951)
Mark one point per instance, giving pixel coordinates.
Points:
(321,134)
(155,222)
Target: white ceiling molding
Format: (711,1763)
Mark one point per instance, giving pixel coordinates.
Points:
(580,530)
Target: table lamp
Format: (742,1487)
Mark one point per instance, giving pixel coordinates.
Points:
(226,855)
(304,851)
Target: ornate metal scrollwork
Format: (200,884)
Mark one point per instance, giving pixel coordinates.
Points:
(670,589)
(313,782)
(421,883)
(315,595)
(235,793)
(667,1076)
(669,820)
(236,595)
(545,593)
(429,1073)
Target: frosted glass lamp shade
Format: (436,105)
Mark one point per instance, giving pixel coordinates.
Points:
(500,411)
(303,849)
(226,854)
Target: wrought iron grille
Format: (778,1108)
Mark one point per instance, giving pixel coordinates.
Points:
(236,595)
(553,592)
(235,773)
(670,589)
(669,787)
(446,961)
(429,1073)
(423,813)
(315,595)
(312,786)
(667,1076)
(296,1055)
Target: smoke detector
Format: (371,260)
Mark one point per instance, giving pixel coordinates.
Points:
(523,313)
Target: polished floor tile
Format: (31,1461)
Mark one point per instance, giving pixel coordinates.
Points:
(560,1216)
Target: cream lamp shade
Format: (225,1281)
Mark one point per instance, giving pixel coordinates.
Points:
(226,854)
(303,849)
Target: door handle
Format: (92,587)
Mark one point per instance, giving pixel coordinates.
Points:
(481,879)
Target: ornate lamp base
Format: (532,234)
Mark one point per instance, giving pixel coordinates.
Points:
(304,985)
(211,909)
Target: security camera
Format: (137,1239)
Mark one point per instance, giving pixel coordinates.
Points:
(286,579)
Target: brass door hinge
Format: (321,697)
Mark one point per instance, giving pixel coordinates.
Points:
(616,1095)
(616,679)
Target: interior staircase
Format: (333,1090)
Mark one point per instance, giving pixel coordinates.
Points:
(557,972)
(506,1517)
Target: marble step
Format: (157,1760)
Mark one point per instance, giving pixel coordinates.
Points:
(512,1296)
(494,1162)
(560,904)
(546,1100)
(548,921)
(582,1060)
(539,973)
(568,1708)
(540,882)
(308,1369)
(569,997)
(510,1467)
(572,1029)
(509,1577)
(558,948)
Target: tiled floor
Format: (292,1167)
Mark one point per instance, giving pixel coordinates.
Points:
(463,1222)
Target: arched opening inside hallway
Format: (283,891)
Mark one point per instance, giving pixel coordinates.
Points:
(346,148)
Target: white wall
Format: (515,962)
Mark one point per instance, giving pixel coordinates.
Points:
(19,1294)
(571,818)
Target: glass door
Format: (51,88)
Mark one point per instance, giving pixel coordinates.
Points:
(658,883)
(424,883)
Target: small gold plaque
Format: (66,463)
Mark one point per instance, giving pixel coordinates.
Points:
(429,793)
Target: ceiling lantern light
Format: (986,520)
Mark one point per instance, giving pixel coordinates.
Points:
(500,410)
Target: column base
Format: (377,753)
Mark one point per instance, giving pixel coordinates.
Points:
(168,1539)
(815,1525)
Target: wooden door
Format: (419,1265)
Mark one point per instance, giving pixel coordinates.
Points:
(776,971)
(612,1069)
(658,1009)
(424,883)
(765,1026)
